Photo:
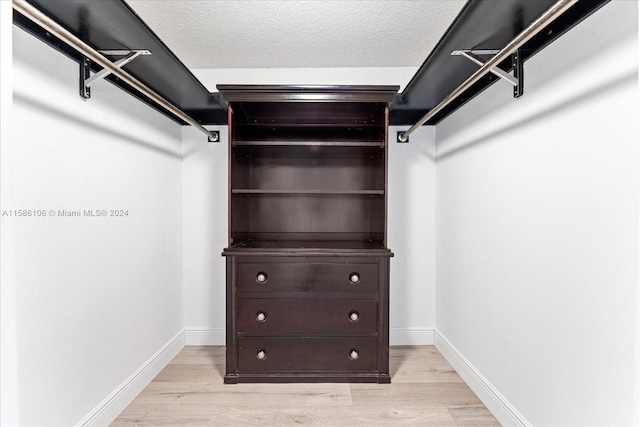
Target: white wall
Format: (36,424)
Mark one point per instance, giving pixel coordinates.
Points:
(411,236)
(96,298)
(537,231)
(205,217)
(411,213)
(9,406)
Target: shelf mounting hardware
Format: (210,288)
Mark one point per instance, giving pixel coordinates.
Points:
(215,136)
(518,73)
(510,49)
(85,67)
(85,73)
(39,18)
(474,55)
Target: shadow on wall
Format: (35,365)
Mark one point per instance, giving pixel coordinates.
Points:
(411,167)
(35,104)
(205,222)
(556,79)
(566,104)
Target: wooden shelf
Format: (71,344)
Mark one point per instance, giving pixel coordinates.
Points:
(316,143)
(346,122)
(309,192)
(295,182)
(308,244)
(307,247)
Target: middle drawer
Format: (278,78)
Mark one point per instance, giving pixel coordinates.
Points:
(311,316)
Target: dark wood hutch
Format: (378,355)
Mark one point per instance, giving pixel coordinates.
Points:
(307,260)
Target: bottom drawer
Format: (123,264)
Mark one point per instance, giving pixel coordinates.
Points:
(307,354)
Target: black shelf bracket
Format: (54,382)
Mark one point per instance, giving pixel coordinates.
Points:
(517,80)
(518,73)
(85,73)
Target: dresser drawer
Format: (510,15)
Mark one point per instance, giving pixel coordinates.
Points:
(307,315)
(265,277)
(307,354)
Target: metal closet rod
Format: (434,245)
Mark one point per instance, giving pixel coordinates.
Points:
(32,13)
(534,28)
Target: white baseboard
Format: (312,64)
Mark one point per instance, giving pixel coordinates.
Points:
(411,336)
(499,406)
(109,409)
(397,336)
(205,336)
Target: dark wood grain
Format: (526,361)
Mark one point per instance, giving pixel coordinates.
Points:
(307,143)
(254,214)
(307,354)
(383,316)
(308,209)
(231,330)
(338,245)
(307,316)
(313,275)
(308,168)
(308,94)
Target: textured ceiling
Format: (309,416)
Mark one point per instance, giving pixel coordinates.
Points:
(298,34)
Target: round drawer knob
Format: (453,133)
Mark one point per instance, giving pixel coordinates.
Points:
(354,278)
(354,316)
(261,316)
(353,354)
(261,355)
(261,277)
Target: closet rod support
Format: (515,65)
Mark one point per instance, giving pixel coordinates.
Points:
(518,73)
(129,55)
(85,73)
(473,56)
(542,22)
(41,19)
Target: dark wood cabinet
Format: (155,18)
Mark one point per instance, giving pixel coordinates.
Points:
(307,260)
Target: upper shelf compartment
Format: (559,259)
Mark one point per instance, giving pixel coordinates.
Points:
(309,115)
(309,123)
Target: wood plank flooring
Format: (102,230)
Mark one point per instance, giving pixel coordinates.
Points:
(425,391)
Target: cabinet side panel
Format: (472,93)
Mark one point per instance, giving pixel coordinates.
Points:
(383,316)
(229,177)
(386,174)
(231,376)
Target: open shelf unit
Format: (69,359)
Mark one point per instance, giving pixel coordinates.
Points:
(307,171)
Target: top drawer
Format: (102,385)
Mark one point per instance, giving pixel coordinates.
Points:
(257,277)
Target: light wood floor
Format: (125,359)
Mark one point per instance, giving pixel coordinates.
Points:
(425,391)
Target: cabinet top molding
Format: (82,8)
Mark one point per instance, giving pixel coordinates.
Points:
(307,93)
